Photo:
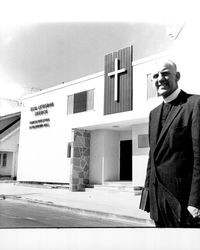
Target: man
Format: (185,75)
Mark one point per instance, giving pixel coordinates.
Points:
(173,172)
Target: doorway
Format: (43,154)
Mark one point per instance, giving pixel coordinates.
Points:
(126,160)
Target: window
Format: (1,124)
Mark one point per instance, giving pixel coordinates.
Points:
(151,90)
(4,160)
(80,102)
(143,141)
(69,148)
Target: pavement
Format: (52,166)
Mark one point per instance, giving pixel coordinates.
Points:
(118,205)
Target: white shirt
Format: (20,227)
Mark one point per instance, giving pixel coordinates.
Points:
(172,96)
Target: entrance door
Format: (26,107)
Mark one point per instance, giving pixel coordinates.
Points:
(126,160)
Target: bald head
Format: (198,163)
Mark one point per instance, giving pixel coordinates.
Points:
(165,63)
(165,77)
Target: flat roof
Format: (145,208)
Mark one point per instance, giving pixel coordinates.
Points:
(93,76)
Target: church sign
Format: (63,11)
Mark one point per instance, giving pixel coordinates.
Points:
(40,112)
(118,81)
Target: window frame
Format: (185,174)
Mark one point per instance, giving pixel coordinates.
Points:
(151,90)
(89,105)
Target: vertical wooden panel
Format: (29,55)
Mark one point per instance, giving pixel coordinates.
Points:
(124,102)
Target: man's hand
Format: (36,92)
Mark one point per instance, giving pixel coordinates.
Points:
(195,212)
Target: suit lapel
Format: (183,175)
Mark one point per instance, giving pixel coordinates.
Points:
(172,115)
(155,123)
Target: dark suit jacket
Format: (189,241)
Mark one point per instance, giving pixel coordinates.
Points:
(174,157)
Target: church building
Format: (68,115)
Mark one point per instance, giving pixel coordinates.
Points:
(93,130)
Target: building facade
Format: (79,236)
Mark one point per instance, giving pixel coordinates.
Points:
(83,132)
(9,144)
(94,129)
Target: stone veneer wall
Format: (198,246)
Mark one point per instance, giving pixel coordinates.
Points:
(80,155)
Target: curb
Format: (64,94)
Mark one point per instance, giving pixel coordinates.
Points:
(87,212)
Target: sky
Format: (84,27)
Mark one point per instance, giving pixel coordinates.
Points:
(44,45)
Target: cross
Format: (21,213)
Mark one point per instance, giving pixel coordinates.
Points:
(115,73)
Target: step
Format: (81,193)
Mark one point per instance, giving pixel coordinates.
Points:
(118,184)
(5,177)
(114,188)
(117,189)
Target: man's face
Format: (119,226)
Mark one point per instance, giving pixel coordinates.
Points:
(165,79)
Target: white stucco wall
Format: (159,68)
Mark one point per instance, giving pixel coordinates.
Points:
(125,135)
(140,155)
(111,155)
(104,156)
(43,151)
(96,165)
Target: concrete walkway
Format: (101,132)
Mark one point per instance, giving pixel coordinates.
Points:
(109,204)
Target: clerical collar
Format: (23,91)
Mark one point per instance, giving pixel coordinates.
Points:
(173,96)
